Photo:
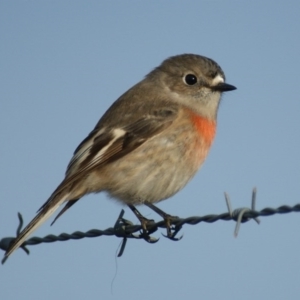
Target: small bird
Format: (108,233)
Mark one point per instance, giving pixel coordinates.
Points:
(148,144)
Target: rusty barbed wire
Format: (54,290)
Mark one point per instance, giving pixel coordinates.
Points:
(126,229)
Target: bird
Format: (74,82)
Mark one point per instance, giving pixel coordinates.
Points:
(148,145)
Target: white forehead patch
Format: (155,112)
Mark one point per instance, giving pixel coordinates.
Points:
(218,79)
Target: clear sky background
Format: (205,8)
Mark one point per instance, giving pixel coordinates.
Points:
(62,65)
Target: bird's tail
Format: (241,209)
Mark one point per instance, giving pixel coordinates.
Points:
(46,211)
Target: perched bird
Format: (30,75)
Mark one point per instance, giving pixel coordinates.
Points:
(148,144)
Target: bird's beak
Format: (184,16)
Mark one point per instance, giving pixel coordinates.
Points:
(223,87)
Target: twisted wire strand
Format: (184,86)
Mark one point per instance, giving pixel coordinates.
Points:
(125,229)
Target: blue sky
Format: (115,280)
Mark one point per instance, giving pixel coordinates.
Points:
(62,65)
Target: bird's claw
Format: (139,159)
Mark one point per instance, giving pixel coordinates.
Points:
(148,238)
(147,229)
(172,237)
(145,235)
(172,232)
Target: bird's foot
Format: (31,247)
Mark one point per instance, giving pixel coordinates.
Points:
(147,226)
(172,230)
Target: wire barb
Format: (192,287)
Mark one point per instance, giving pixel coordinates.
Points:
(125,229)
(238,214)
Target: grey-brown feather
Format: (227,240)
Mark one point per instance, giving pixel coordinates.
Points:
(136,134)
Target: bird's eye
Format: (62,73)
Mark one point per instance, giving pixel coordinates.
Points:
(190,79)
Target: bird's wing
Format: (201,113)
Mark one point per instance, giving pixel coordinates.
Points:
(105,146)
(100,148)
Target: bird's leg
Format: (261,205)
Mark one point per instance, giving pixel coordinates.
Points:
(144,222)
(171,231)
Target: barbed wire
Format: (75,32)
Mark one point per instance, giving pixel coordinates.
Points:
(126,229)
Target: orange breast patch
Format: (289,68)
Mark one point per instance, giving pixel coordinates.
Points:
(205,127)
